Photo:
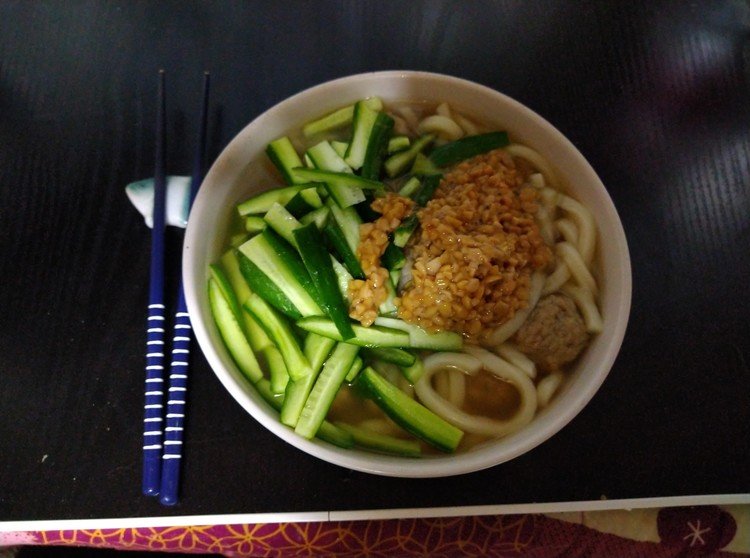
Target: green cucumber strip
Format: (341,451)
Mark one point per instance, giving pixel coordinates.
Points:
(297,392)
(348,221)
(398,143)
(237,239)
(324,157)
(354,370)
(280,332)
(235,291)
(398,162)
(362,124)
(409,414)
(308,162)
(365,211)
(281,263)
(337,119)
(277,369)
(255,334)
(283,222)
(318,216)
(403,232)
(377,146)
(262,202)
(222,281)
(395,276)
(338,241)
(311,196)
(468,147)
(429,185)
(410,187)
(324,391)
(344,179)
(423,166)
(345,188)
(421,339)
(340,148)
(393,257)
(381,442)
(317,260)
(275,400)
(388,306)
(266,289)
(334,435)
(343,277)
(327,431)
(231,331)
(298,206)
(317,348)
(284,156)
(363,336)
(254,224)
(395,356)
(413,372)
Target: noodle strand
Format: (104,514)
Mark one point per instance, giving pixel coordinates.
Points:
(506,330)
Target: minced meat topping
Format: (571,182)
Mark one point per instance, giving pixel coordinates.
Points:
(475,250)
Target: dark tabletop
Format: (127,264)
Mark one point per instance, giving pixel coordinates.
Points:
(654,94)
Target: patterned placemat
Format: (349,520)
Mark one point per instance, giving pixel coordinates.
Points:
(651,533)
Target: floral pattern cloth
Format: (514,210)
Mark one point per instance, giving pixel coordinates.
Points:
(652,533)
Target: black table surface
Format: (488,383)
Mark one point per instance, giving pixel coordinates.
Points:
(655,94)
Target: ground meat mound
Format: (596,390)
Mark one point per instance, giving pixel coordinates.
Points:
(476,249)
(554,334)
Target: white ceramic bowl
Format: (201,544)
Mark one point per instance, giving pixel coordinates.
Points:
(241,170)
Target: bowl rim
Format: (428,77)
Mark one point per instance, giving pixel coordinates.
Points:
(544,427)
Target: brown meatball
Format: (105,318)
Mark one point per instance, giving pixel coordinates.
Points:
(554,334)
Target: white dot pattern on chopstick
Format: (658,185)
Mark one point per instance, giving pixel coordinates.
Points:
(153,404)
(177,386)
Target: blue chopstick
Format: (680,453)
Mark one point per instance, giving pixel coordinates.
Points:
(152,421)
(178,375)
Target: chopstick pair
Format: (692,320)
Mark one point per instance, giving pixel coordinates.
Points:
(162,449)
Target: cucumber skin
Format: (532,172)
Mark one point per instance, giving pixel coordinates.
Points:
(422,339)
(285,158)
(429,185)
(327,431)
(232,334)
(260,203)
(363,122)
(468,147)
(255,334)
(260,283)
(293,262)
(332,434)
(377,146)
(381,442)
(337,239)
(324,391)
(317,260)
(397,163)
(399,357)
(280,331)
(393,257)
(326,328)
(398,406)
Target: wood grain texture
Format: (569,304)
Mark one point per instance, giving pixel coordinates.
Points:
(654,94)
